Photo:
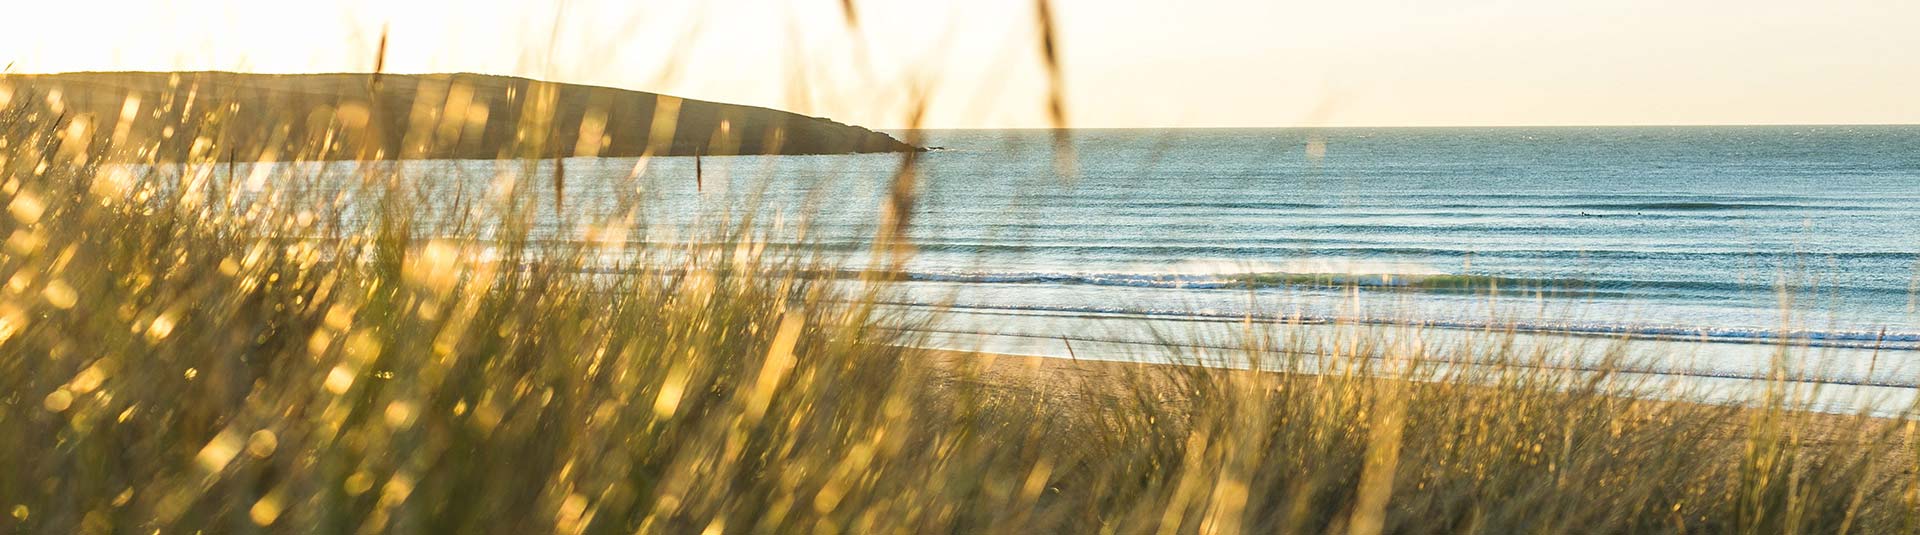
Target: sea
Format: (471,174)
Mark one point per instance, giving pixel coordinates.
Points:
(1719,255)
(1704,250)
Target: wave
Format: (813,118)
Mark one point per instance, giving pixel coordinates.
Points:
(1256,280)
(1650,197)
(1303,247)
(1240,205)
(1854,339)
(1298,247)
(1432,283)
(1400,282)
(1413,204)
(1680,206)
(1388,208)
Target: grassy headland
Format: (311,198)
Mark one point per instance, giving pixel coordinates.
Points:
(466,116)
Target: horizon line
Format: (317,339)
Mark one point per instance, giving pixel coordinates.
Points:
(1442,126)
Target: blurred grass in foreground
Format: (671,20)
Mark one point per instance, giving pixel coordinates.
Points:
(181,353)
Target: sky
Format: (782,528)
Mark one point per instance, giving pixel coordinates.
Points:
(1124,63)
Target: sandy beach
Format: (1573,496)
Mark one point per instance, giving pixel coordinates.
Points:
(1065,380)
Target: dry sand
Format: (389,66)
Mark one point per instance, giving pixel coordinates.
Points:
(1066,380)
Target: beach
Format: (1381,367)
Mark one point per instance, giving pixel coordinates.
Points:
(1085,383)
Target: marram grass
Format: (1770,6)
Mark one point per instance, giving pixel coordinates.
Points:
(180,356)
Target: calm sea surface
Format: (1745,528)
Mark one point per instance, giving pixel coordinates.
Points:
(1716,233)
(1722,232)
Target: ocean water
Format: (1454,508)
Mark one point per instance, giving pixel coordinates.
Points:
(1735,236)
(1724,232)
(1696,252)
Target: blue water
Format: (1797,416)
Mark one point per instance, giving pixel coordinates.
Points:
(1734,231)
(1757,233)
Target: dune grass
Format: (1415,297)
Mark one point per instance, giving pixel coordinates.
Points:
(180,353)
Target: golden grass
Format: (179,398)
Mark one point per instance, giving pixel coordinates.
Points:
(178,354)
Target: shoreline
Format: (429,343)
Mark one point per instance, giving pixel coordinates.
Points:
(1059,381)
(1883,340)
(1823,380)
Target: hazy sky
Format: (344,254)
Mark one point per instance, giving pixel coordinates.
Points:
(1128,63)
